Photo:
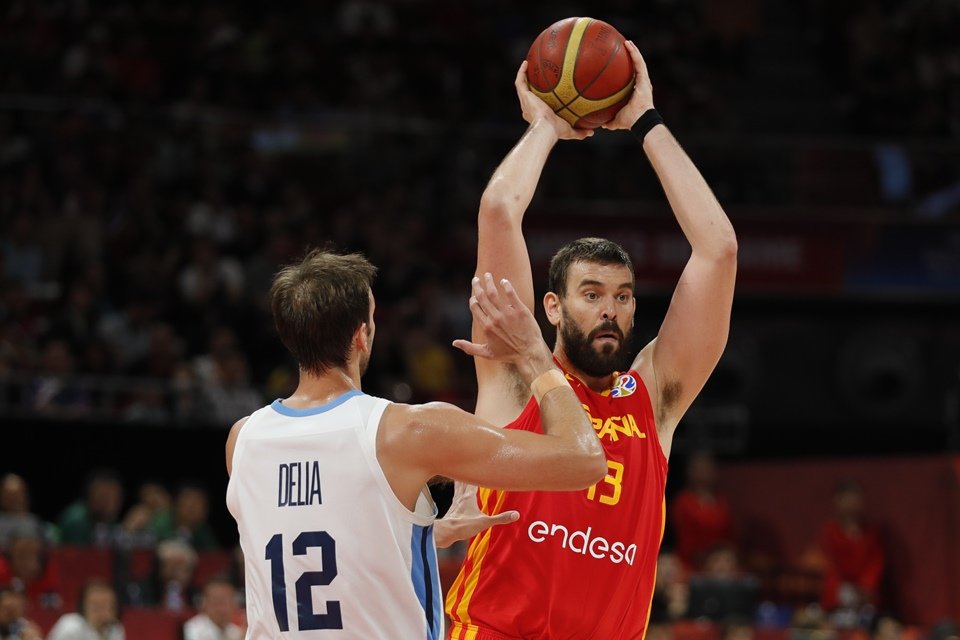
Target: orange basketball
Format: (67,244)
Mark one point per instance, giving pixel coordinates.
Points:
(581,68)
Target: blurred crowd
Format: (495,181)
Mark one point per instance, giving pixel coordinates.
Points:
(149,188)
(895,63)
(148,557)
(157,552)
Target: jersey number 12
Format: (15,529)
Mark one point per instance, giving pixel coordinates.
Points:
(307,620)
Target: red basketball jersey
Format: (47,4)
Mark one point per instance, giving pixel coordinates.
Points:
(578,564)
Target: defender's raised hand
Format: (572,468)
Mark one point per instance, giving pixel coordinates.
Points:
(513,335)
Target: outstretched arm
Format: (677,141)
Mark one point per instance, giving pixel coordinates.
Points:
(501,248)
(694,331)
(418,442)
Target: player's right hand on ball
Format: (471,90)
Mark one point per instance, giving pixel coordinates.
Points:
(534,109)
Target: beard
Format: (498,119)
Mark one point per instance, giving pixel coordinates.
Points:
(592,361)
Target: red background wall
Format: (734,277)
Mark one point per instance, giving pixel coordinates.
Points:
(780,506)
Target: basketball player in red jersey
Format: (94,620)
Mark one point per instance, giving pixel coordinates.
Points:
(582,564)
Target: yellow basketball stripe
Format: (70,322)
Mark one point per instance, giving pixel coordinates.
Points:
(477,554)
(564,99)
(566,90)
(546,96)
(569,116)
(586,105)
(556,105)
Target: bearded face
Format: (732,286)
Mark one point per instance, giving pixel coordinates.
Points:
(600,352)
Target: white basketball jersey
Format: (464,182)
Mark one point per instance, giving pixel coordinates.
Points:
(329,550)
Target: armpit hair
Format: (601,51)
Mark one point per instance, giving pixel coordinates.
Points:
(519,390)
(669,396)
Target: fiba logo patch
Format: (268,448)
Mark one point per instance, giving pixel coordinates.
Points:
(624,386)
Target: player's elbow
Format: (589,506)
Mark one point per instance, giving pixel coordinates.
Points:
(590,467)
(728,247)
(722,254)
(497,209)
(597,467)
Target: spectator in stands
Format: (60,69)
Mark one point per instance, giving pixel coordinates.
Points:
(945,629)
(187,402)
(812,623)
(13,624)
(721,563)
(28,569)
(236,575)
(169,585)
(701,517)
(671,595)
(210,277)
(188,519)
(721,590)
(127,331)
(736,628)
(885,626)
(15,509)
(163,353)
(853,552)
(97,619)
(92,521)
(79,316)
(154,501)
(231,394)
(53,392)
(147,405)
(218,610)
(658,629)
(221,343)
(22,252)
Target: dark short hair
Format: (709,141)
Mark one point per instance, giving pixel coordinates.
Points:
(318,304)
(597,250)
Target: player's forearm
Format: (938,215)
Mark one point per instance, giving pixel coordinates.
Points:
(561,413)
(536,360)
(513,184)
(563,417)
(701,217)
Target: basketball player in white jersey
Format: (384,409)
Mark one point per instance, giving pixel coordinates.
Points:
(328,486)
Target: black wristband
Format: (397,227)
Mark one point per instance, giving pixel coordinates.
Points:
(649,119)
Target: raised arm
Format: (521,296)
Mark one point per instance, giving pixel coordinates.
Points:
(501,248)
(418,442)
(694,332)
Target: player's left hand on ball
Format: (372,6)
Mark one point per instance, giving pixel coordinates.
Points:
(535,109)
(642,98)
(464,519)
